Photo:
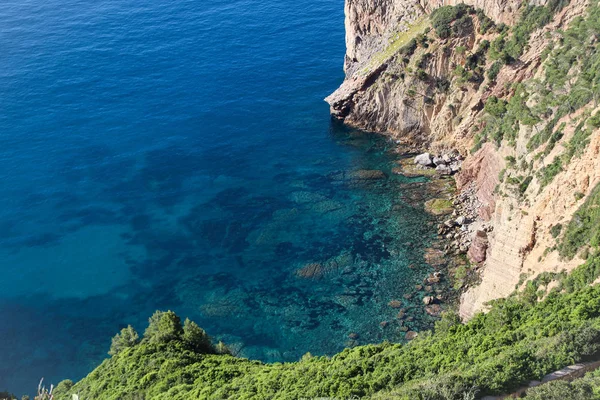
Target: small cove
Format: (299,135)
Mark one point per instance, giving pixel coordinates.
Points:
(180,156)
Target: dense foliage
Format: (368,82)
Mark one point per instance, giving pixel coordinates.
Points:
(516,341)
(452,20)
(586,388)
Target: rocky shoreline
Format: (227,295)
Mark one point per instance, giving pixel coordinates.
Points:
(461,246)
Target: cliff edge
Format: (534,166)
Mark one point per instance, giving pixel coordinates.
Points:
(514,87)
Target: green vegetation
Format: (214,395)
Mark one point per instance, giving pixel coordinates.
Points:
(401,42)
(452,20)
(584,228)
(547,173)
(438,206)
(485,23)
(586,388)
(518,340)
(510,45)
(555,230)
(494,70)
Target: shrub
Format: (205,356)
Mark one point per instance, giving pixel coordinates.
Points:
(485,23)
(494,70)
(443,17)
(584,228)
(555,230)
(495,107)
(547,174)
(409,48)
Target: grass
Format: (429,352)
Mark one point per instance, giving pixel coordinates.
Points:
(397,41)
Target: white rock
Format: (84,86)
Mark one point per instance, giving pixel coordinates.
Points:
(443,169)
(424,159)
(438,160)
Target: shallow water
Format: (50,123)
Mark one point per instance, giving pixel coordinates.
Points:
(178,155)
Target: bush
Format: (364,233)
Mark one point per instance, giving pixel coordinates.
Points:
(547,174)
(555,230)
(485,23)
(584,228)
(494,70)
(495,107)
(443,17)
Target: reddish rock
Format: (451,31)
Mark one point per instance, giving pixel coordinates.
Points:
(310,271)
(353,335)
(482,169)
(383,324)
(477,251)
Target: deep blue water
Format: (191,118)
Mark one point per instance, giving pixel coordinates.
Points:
(178,155)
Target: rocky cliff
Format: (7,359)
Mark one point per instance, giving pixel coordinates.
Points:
(502,84)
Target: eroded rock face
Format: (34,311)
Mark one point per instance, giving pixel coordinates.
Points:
(499,10)
(383,93)
(370,23)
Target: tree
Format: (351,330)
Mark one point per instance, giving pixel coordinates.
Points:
(196,338)
(163,327)
(128,337)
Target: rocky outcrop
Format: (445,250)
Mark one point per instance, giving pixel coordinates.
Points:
(418,95)
(370,24)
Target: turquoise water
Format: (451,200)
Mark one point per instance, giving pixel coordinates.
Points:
(178,155)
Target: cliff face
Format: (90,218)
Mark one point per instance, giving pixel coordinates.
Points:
(429,91)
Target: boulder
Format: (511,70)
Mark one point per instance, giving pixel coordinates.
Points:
(455,166)
(477,251)
(427,300)
(447,158)
(310,271)
(424,160)
(461,220)
(443,169)
(438,161)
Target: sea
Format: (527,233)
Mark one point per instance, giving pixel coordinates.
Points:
(178,155)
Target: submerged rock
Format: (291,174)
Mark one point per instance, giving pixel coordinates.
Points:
(410,335)
(395,304)
(310,271)
(367,174)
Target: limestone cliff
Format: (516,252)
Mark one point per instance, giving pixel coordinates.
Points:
(495,95)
